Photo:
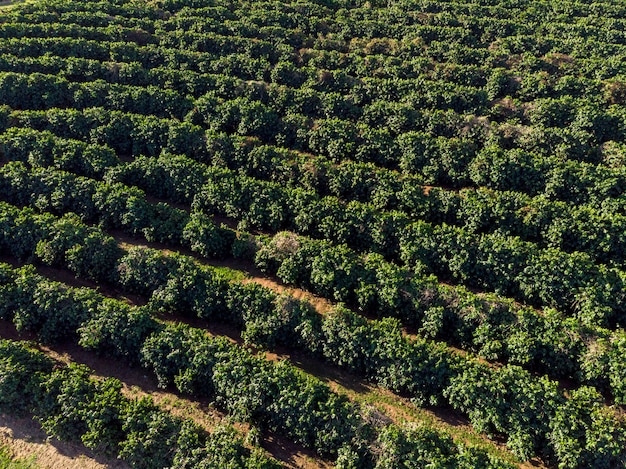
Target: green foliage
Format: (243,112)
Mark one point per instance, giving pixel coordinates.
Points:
(223,449)
(191,290)
(289,322)
(150,435)
(44,149)
(617,369)
(184,357)
(95,258)
(85,250)
(171,177)
(116,329)
(332,119)
(282,398)
(417,447)
(70,405)
(379,351)
(20,368)
(143,271)
(421,447)
(207,239)
(509,401)
(53,311)
(584,433)
(73,407)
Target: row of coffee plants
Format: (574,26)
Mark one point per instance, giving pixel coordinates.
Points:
(493,327)
(442,249)
(565,181)
(535,219)
(273,396)
(437,27)
(293,24)
(492,261)
(524,96)
(354,282)
(592,228)
(203,237)
(412,152)
(576,142)
(376,350)
(73,406)
(39,91)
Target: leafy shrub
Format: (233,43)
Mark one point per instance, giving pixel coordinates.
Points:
(53,311)
(20,368)
(117,329)
(73,407)
(206,238)
(151,435)
(184,357)
(585,433)
(508,401)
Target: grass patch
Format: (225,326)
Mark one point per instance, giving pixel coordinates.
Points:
(7,461)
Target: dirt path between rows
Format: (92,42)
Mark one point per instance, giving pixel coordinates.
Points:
(253,274)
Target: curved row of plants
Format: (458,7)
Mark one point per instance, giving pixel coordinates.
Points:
(344,138)
(233,105)
(548,277)
(514,96)
(377,350)
(591,228)
(294,23)
(334,272)
(541,276)
(272,396)
(572,125)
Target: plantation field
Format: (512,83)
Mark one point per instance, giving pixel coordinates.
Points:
(313,233)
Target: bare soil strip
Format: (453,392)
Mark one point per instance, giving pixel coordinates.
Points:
(253,274)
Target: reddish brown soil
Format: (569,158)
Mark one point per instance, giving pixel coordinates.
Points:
(322,305)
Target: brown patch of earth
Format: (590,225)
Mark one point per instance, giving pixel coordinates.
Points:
(292,456)
(320,304)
